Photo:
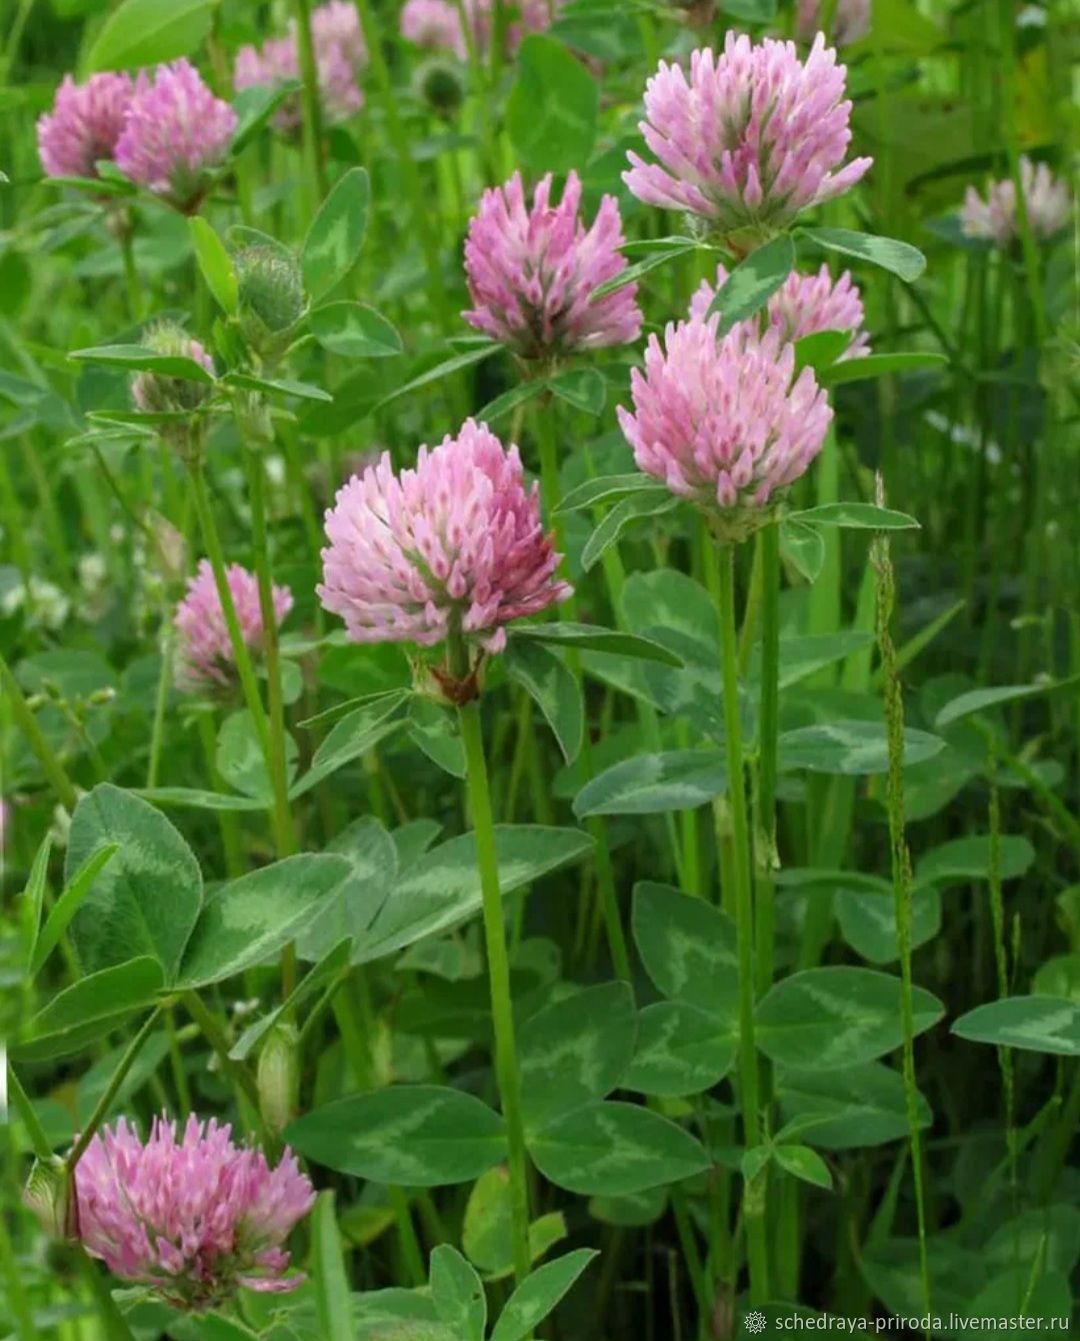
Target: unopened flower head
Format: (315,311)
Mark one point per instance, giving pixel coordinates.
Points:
(532,270)
(850,21)
(155,392)
(176,133)
(340,55)
(440,82)
(725,422)
(803,305)
(752,137)
(84,124)
(189,1215)
(454,546)
(997,219)
(272,298)
(204,650)
(434,25)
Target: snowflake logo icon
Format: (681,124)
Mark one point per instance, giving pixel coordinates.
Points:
(755,1322)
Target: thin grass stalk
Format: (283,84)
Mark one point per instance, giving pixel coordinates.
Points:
(228,825)
(285,832)
(241,655)
(39,1141)
(410,176)
(114,1322)
(768,546)
(901,874)
(17,1298)
(36,739)
(161,697)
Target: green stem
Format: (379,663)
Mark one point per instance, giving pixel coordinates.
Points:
(38,1140)
(14,37)
(103,1105)
(241,655)
(423,218)
(228,824)
(410,1243)
(768,547)
(753,1193)
(131,273)
(1010,99)
(176,1063)
(215,1036)
(901,873)
(116,1328)
(506,1066)
(161,699)
(35,737)
(312,104)
(284,830)
(17,1299)
(356,1022)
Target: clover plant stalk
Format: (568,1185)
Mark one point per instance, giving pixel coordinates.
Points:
(101,1110)
(754,1190)
(312,105)
(901,872)
(271,651)
(22,1313)
(506,1065)
(547,439)
(115,1324)
(768,548)
(410,175)
(281,817)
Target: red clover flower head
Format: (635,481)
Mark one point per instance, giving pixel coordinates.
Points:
(175,133)
(453,546)
(753,137)
(532,270)
(191,1216)
(724,422)
(84,124)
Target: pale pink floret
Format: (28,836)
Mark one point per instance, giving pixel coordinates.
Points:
(434,25)
(340,55)
(192,1217)
(725,422)
(533,16)
(751,139)
(337,24)
(531,271)
(996,218)
(175,134)
(204,649)
(455,544)
(84,124)
(850,21)
(803,305)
